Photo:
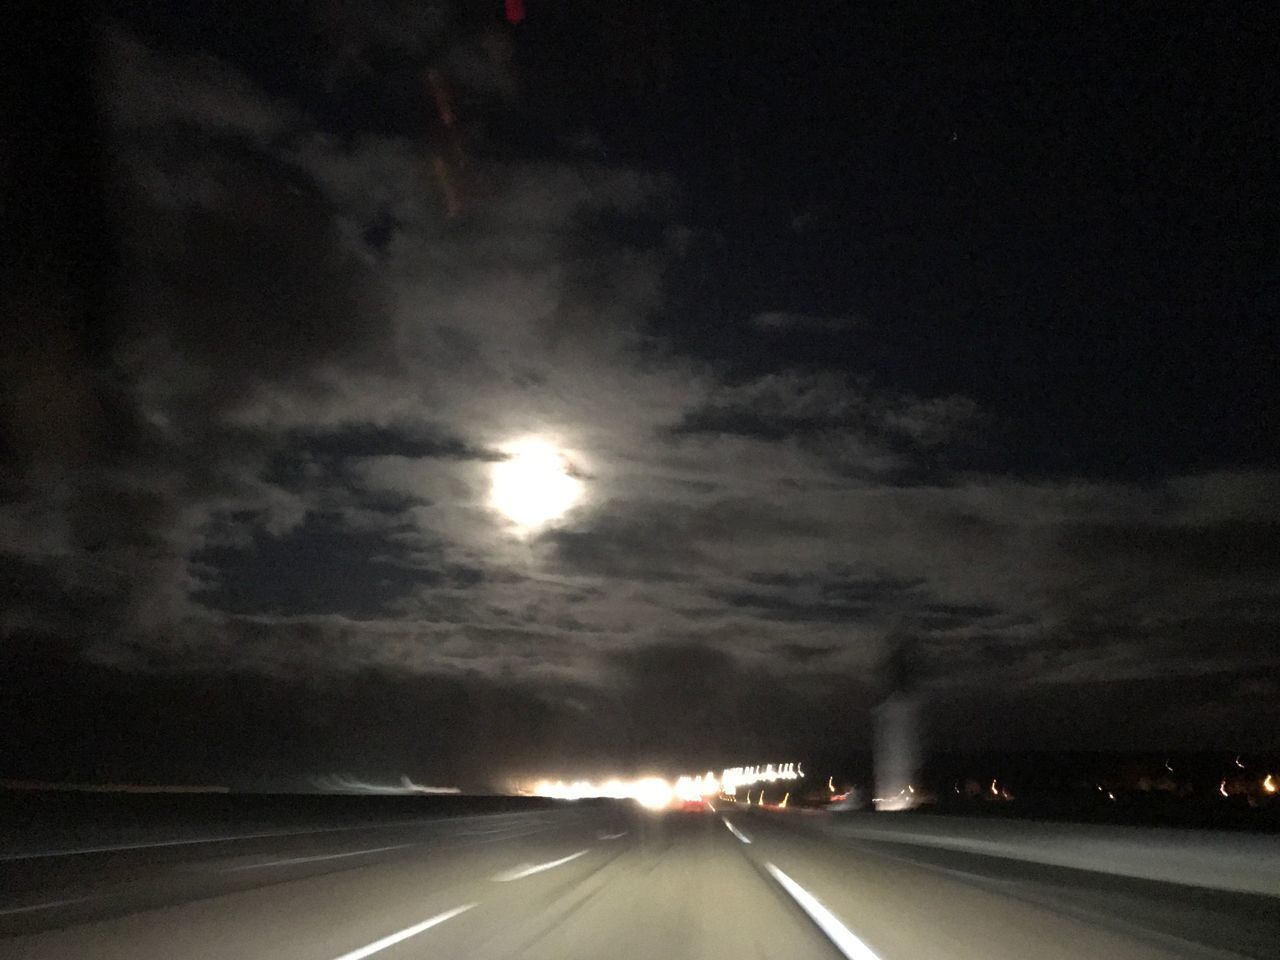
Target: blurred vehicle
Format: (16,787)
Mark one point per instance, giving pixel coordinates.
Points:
(851,799)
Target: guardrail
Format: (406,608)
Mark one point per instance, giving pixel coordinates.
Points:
(1241,862)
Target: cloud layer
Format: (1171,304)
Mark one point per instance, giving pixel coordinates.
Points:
(274,465)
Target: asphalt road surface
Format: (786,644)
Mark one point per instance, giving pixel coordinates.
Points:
(599,881)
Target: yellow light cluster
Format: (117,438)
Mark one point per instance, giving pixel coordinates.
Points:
(736,777)
(652,792)
(656,793)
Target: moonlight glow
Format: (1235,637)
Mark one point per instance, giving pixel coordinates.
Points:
(534,485)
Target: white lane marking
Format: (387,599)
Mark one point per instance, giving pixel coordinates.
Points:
(735,831)
(506,836)
(7,911)
(264,835)
(827,922)
(519,873)
(317,857)
(464,845)
(405,934)
(612,836)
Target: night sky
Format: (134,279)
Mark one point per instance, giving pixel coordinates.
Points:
(854,329)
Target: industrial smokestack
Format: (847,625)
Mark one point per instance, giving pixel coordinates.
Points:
(898,743)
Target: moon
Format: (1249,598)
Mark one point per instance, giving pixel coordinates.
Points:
(534,485)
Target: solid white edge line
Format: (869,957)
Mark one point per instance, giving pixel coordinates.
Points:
(405,934)
(827,922)
(519,873)
(735,831)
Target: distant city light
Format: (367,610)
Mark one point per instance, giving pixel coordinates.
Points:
(656,793)
(1269,784)
(735,777)
(651,792)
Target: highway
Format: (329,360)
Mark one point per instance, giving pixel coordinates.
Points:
(599,880)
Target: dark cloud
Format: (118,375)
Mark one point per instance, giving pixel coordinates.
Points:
(319,567)
(689,704)
(628,542)
(782,321)
(218,299)
(416,441)
(803,654)
(852,588)
(1175,711)
(234,293)
(1230,549)
(855,428)
(777,607)
(951,615)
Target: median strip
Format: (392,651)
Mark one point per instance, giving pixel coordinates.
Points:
(519,873)
(405,934)
(844,939)
(262,835)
